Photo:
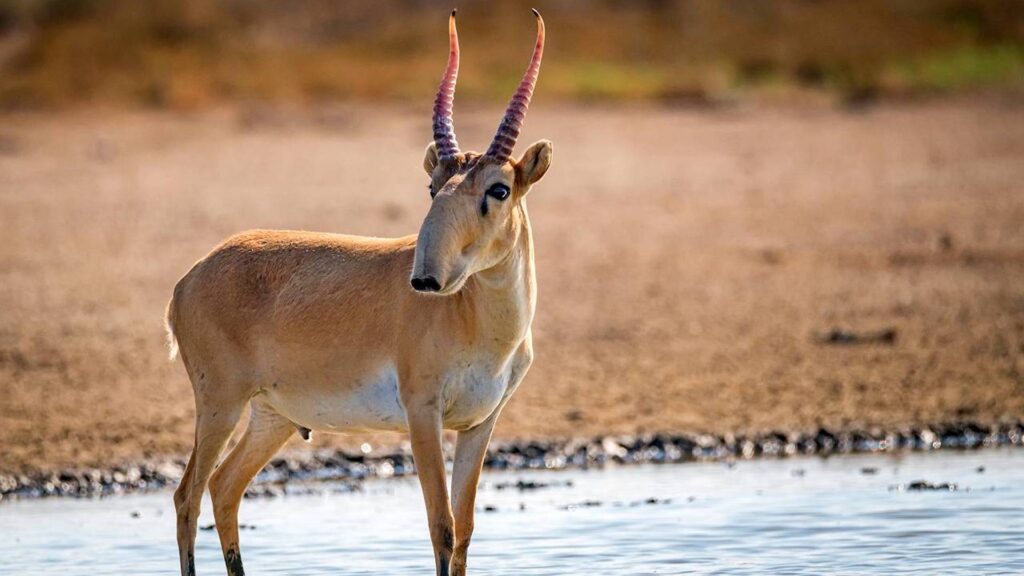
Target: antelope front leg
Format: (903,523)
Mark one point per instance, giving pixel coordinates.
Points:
(425,435)
(470,449)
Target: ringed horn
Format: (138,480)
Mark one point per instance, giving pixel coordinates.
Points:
(444,128)
(508,131)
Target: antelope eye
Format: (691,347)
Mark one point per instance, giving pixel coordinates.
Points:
(498,191)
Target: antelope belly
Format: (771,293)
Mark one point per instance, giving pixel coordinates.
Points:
(372,404)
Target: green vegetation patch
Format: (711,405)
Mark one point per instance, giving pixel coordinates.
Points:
(961,68)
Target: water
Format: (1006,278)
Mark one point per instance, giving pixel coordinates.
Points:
(793,516)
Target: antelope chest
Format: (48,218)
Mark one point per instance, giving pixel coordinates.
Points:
(470,393)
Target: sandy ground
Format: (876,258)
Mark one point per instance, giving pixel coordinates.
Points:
(689,262)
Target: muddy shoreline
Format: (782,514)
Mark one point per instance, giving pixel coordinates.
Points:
(310,472)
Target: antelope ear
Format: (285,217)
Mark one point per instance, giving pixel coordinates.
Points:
(430,158)
(534,163)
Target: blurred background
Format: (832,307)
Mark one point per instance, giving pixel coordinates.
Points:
(762,214)
(195,53)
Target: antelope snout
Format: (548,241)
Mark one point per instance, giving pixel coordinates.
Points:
(425,284)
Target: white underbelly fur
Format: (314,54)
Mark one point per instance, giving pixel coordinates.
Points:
(469,397)
(373,405)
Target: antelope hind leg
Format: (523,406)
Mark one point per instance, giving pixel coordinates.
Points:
(213,429)
(266,433)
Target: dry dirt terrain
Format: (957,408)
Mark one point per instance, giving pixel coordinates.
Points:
(691,262)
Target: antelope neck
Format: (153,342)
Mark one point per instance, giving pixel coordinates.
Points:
(504,296)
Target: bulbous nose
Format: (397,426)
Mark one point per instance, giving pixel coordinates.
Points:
(425,284)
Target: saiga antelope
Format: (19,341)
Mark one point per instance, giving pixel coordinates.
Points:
(323,332)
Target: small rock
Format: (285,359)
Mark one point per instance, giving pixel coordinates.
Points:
(945,242)
(841,337)
(925,486)
(584,504)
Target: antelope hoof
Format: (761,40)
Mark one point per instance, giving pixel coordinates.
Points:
(234,562)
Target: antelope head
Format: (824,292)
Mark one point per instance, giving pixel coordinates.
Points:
(477,214)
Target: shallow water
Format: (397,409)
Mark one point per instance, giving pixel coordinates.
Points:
(791,516)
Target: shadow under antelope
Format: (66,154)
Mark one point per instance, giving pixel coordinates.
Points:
(323,332)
